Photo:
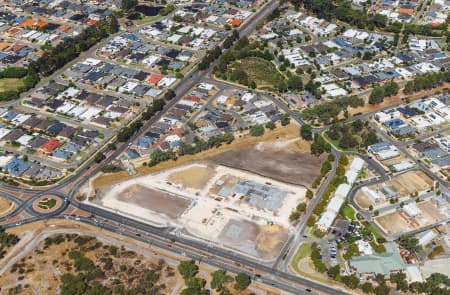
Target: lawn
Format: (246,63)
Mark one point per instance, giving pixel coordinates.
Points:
(348,212)
(375,233)
(47,203)
(147,19)
(336,144)
(303,251)
(262,72)
(8,84)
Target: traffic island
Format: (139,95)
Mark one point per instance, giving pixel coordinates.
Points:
(47,204)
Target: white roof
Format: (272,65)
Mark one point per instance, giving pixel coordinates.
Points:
(20,118)
(166,81)
(411,209)
(351,176)
(206,86)
(387,154)
(371,194)
(335,204)
(357,164)
(326,220)
(426,237)
(92,61)
(248,96)
(76,111)
(222,99)
(413,273)
(4,160)
(343,190)
(4,132)
(24,139)
(66,107)
(91,112)
(403,165)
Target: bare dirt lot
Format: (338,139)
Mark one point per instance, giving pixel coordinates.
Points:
(411,182)
(284,165)
(392,223)
(154,200)
(430,212)
(39,263)
(195,177)
(288,134)
(5,206)
(362,200)
(248,237)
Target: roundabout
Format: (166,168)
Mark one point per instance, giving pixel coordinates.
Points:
(47,204)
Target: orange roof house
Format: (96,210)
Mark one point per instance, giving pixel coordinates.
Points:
(406,11)
(230,101)
(64,28)
(155,78)
(236,22)
(28,23)
(50,145)
(192,98)
(92,21)
(41,24)
(17,47)
(4,45)
(13,31)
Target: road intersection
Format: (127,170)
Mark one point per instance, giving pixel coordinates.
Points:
(277,274)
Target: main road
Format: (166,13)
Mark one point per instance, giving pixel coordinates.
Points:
(129,227)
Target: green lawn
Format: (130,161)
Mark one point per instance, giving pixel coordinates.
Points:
(8,84)
(47,203)
(348,212)
(262,72)
(147,19)
(336,144)
(375,233)
(303,251)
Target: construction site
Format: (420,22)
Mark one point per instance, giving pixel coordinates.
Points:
(227,207)
(410,217)
(403,186)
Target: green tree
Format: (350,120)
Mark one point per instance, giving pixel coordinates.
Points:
(377,95)
(306,132)
(270,125)
(301,207)
(257,130)
(295,83)
(311,221)
(294,216)
(285,119)
(219,278)
(128,4)
(242,281)
(351,281)
(367,287)
(333,272)
(409,242)
(188,269)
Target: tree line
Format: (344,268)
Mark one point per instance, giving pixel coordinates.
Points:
(71,48)
(342,11)
(328,111)
(426,82)
(28,77)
